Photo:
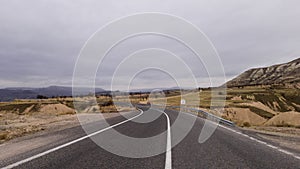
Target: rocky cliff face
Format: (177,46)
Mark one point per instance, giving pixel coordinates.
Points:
(287,73)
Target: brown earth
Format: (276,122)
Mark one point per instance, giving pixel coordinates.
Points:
(243,116)
(39,139)
(285,120)
(25,117)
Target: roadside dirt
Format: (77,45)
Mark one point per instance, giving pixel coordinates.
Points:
(285,119)
(31,141)
(27,117)
(242,115)
(286,137)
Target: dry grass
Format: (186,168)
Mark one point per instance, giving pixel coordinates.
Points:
(13,125)
(247,106)
(23,117)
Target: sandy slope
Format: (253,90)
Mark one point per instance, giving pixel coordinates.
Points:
(56,109)
(242,115)
(260,106)
(285,119)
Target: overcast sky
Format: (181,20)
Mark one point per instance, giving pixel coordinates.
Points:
(40,40)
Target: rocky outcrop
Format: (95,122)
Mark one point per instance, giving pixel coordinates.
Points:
(287,73)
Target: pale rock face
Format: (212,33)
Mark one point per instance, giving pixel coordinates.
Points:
(277,74)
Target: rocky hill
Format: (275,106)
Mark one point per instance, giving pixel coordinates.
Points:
(286,73)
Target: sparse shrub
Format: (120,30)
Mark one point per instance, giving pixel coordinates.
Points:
(41,97)
(246,124)
(269,98)
(69,104)
(107,103)
(18,108)
(284,124)
(3,135)
(261,112)
(94,109)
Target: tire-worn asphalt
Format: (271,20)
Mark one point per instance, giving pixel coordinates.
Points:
(224,149)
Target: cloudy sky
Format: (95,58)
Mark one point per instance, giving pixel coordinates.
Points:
(40,40)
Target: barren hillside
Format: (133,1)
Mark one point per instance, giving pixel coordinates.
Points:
(286,73)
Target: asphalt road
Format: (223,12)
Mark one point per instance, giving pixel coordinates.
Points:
(224,149)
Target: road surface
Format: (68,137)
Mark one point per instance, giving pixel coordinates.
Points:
(226,148)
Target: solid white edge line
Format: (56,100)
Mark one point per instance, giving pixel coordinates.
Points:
(67,144)
(254,139)
(168,161)
(168,164)
(264,143)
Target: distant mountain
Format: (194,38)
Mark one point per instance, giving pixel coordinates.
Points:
(285,73)
(148,90)
(9,94)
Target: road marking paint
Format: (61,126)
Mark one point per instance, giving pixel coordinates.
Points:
(269,145)
(67,144)
(286,152)
(168,161)
(262,142)
(254,139)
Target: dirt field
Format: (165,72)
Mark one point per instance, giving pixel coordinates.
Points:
(25,117)
(284,136)
(253,106)
(250,105)
(28,142)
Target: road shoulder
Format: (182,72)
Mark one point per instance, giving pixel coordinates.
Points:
(55,134)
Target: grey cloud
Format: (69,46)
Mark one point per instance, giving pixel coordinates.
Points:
(40,40)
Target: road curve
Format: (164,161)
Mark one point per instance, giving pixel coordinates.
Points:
(224,149)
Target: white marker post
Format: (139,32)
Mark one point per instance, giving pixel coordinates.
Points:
(182,102)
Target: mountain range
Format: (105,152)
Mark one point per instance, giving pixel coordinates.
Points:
(286,73)
(9,94)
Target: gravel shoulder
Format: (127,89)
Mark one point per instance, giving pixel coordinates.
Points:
(285,137)
(50,134)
